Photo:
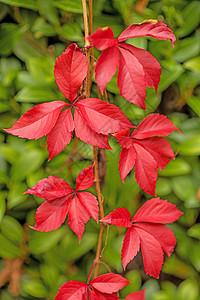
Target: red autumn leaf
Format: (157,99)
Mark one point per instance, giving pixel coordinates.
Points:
(102,117)
(136,296)
(145,150)
(103,287)
(159,31)
(61,133)
(137,68)
(51,188)
(151,66)
(70,70)
(146,231)
(154,124)
(62,200)
(93,120)
(109,61)
(85,179)
(37,121)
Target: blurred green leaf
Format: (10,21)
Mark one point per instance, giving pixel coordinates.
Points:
(183,187)
(71,32)
(41,28)
(191,17)
(163,187)
(176,167)
(34,288)
(12,229)
(40,242)
(41,69)
(190,146)
(135,277)
(36,94)
(49,11)
(26,164)
(8,249)
(22,3)
(193,64)
(168,76)
(67,5)
(194,103)
(194,231)
(188,289)
(15,194)
(9,35)
(187,48)
(2,205)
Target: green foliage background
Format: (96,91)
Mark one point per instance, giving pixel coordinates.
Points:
(32,34)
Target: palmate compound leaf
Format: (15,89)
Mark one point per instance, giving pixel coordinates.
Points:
(146,231)
(62,200)
(145,149)
(138,69)
(103,287)
(93,120)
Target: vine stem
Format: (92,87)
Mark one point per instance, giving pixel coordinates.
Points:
(87,94)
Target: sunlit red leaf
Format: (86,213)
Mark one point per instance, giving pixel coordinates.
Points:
(37,121)
(131,79)
(85,179)
(102,38)
(136,296)
(106,67)
(51,188)
(159,31)
(70,71)
(62,200)
(102,117)
(61,133)
(147,232)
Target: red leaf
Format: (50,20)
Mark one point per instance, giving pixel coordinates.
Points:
(78,217)
(87,135)
(131,79)
(70,71)
(123,138)
(162,234)
(106,67)
(61,133)
(145,170)
(159,149)
(126,161)
(96,295)
(63,200)
(51,214)
(90,203)
(150,65)
(130,246)
(37,121)
(157,211)
(159,31)
(154,124)
(102,38)
(109,283)
(103,287)
(119,217)
(51,188)
(146,232)
(102,117)
(136,296)
(151,252)
(72,290)
(85,179)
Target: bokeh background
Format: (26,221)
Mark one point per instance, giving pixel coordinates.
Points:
(32,34)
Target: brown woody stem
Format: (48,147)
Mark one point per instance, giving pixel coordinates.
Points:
(87,94)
